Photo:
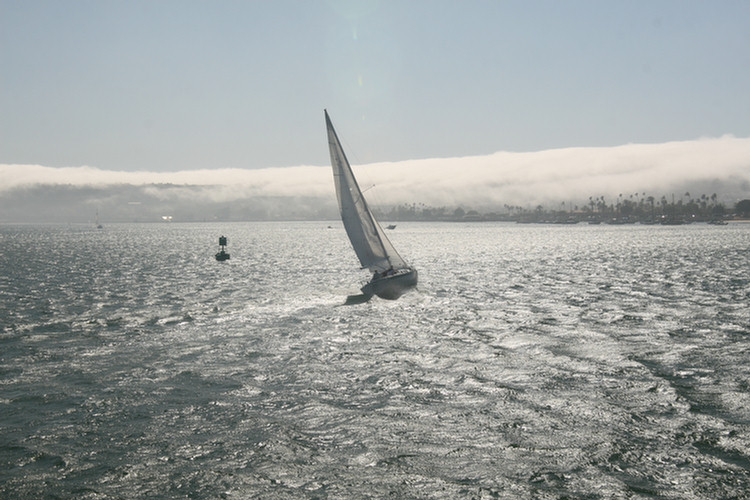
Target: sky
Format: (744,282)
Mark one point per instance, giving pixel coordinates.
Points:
(176,86)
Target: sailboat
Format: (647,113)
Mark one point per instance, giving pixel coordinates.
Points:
(392,275)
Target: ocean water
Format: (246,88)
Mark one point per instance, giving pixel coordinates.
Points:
(539,362)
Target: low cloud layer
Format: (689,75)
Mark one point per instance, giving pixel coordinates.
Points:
(704,166)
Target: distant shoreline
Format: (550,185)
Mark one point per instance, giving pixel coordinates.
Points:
(329,221)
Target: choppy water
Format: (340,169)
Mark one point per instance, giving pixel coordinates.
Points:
(545,362)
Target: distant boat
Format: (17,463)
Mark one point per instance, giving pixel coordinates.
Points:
(392,275)
(222,255)
(98,224)
(391,226)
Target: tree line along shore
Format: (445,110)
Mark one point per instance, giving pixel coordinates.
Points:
(629,209)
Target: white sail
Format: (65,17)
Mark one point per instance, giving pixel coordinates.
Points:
(370,243)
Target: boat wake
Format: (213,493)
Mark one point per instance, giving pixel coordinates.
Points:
(357,299)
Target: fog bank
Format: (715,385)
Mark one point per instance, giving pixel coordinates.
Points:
(490,182)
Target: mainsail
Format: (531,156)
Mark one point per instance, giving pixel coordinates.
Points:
(370,243)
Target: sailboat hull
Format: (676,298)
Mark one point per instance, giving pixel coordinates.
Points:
(391,287)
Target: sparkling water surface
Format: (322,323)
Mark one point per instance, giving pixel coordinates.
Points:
(544,362)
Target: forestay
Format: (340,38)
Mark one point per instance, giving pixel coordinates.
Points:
(370,243)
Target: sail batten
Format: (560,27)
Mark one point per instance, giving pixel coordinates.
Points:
(372,246)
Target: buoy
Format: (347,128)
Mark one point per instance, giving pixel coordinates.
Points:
(222,255)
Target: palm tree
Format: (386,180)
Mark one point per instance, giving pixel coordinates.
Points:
(651,200)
